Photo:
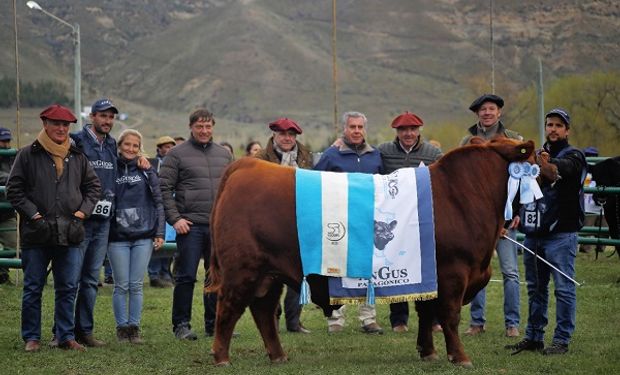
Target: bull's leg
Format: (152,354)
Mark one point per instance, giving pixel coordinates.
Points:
(449,314)
(264,312)
(425,346)
(228,312)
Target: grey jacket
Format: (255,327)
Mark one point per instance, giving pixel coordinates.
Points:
(34,187)
(189,178)
(395,157)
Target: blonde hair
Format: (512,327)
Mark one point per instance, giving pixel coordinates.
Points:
(124,135)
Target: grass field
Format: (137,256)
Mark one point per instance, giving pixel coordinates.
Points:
(595,348)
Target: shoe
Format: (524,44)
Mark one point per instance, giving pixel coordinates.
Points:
(401,328)
(183,332)
(335,328)
(555,348)
(372,328)
(53,342)
(89,340)
(133,332)
(71,345)
(300,329)
(32,346)
(108,280)
(512,332)
(157,283)
(437,328)
(122,334)
(525,344)
(474,330)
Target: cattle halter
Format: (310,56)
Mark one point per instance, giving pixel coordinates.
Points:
(541,258)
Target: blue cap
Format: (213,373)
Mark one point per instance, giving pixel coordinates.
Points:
(561,113)
(103,105)
(589,151)
(5,134)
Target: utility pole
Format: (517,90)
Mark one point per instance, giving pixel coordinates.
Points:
(541,103)
(492,47)
(334,69)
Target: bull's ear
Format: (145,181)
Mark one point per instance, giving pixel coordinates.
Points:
(393,225)
(513,150)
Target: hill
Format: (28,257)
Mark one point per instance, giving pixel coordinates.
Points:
(252,61)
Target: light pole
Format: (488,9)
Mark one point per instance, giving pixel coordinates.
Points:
(77,72)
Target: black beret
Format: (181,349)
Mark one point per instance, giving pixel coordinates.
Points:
(475,106)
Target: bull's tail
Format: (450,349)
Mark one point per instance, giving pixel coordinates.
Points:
(214,279)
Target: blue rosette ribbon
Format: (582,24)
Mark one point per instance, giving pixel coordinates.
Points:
(522,178)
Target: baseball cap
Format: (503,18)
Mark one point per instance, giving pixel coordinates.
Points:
(561,113)
(102,105)
(165,139)
(5,134)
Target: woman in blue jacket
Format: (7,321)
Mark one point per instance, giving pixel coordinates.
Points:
(136,229)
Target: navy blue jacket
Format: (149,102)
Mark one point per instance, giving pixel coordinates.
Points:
(345,159)
(139,208)
(102,157)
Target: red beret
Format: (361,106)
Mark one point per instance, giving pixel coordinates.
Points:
(284,124)
(58,112)
(407,119)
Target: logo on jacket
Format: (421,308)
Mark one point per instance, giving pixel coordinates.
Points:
(101,164)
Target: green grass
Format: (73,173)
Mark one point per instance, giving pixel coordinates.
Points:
(595,348)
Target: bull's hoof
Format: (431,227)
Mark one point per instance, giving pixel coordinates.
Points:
(279,360)
(223,364)
(431,357)
(465,364)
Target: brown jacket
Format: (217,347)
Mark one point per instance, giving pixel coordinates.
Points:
(304,157)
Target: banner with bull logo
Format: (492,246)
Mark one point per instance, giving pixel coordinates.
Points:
(399,232)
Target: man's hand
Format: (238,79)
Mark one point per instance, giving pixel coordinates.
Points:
(548,171)
(182,226)
(143,163)
(514,224)
(79,214)
(157,242)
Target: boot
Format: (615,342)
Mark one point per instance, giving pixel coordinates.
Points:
(134,335)
(122,334)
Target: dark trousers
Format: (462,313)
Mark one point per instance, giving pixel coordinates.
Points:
(399,313)
(292,309)
(191,247)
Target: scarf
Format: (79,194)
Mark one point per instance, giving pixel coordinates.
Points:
(288,157)
(57,151)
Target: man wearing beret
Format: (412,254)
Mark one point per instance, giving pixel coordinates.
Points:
(53,188)
(353,154)
(488,109)
(407,150)
(159,267)
(550,226)
(190,177)
(8,239)
(283,148)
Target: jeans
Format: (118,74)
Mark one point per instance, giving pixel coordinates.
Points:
(93,250)
(192,246)
(65,267)
(559,249)
(128,260)
(507,254)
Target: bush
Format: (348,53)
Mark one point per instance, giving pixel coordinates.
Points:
(37,94)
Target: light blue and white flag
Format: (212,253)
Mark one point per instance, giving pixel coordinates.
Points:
(335,222)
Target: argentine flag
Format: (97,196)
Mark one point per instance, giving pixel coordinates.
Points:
(329,204)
